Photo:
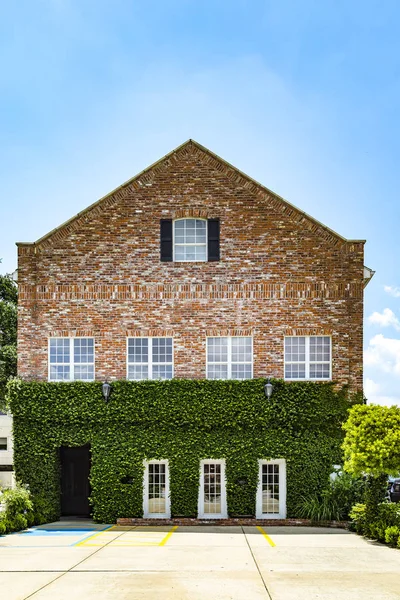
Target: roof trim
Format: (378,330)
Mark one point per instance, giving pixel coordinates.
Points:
(205,150)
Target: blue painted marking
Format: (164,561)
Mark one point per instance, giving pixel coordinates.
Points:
(45,532)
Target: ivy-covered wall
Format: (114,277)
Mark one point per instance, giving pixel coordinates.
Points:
(181,420)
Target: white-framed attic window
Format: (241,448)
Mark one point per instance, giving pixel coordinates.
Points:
(190,240)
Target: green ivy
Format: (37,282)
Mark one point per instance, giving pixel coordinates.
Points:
(184,421)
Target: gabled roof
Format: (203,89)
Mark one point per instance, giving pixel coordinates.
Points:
(222,165)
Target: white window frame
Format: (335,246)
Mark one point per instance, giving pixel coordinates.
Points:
(188,243)
(282,489)
(224,508)
(150,356)
(229,351)
(146,513)
(307,360)
(71,358)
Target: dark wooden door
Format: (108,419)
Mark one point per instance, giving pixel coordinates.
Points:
(75,487)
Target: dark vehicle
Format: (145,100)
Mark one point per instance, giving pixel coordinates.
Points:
(394,491)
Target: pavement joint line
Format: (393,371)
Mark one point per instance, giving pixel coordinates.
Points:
(256,563)
(265,534)
(70,569)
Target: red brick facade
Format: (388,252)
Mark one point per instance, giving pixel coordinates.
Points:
(280,273)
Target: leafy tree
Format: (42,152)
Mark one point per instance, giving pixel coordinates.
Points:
(8,333)
(372,442)
(372,447)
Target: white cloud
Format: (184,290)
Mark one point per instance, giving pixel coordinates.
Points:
(371,388)
(392,290)
(383,400)
(385,319)
(384,354)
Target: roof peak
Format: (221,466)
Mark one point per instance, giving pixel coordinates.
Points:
(232,171)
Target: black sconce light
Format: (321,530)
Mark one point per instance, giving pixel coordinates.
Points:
(268,388)
(106,390)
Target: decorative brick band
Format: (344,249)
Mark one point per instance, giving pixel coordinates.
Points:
(188,291)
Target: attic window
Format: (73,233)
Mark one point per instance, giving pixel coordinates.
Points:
(189,240)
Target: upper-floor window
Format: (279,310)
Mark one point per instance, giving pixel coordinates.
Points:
(189,240)
(3,443)
(150,358)
(229,358)
(308,357)
(71,359)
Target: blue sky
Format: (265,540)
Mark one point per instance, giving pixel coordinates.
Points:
(301,95)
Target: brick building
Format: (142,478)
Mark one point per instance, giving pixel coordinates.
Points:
(192,270)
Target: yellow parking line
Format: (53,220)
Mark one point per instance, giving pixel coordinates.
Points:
(165,540)
(83,542)
(270,542)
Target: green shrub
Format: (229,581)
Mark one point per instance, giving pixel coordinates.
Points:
(392,535)
(18,522)
(387,516)
(357,515)
(3,528)
(17,501)
(335,502)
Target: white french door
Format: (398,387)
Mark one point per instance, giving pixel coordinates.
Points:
(212,492)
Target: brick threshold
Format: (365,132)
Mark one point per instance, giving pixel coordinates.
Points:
(186,521)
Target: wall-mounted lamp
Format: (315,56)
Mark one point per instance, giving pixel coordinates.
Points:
(106,390)
(268,388)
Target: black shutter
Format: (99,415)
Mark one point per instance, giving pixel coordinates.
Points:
(213,239)
(166,240)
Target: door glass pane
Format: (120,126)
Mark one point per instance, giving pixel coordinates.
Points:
(157,500)
(212,488)
(270,489)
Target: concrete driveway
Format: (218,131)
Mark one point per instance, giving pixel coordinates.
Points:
(79,560)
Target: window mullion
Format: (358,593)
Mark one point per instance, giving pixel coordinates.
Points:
(150,358)
(71,359)
(229,350)
(307,357)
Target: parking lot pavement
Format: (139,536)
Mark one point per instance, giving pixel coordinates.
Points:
(81,560)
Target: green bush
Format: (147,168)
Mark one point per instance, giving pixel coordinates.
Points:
(18,522)
(357,515)
(387,517)
(392,535)
(18,513)
(333,503)
(17,501)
